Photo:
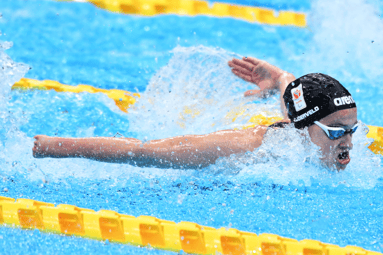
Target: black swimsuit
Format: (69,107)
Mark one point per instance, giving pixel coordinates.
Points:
(279,125)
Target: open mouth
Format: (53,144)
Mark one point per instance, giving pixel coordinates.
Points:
(344,158)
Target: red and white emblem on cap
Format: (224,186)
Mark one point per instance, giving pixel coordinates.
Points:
(299,101)
(297,93)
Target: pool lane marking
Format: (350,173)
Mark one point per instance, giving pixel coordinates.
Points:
(159,234)
(194,7)
(125,99)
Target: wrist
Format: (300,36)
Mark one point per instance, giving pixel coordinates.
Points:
(284,80)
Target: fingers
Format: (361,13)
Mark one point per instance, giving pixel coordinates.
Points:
(252,61)
(36,150)
(242,70)
(36,146)
(40,136)
(246,62)
(241,67)
(246,77)
(37,154)
(252,93)
(242,64)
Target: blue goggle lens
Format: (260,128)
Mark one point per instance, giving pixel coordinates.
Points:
(335,134)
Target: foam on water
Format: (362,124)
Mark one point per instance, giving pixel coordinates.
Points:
(343,45)
(347,44)
(195,93)
(10,73)
(10,136)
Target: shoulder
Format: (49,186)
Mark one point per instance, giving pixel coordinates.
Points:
(258,130)
(255,135)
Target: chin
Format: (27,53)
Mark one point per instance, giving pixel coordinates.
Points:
(340,167)
(334,166)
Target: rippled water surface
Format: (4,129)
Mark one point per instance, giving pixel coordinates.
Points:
(179,63)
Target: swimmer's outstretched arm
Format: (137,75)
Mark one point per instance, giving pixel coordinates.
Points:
(189,151)
(267,77)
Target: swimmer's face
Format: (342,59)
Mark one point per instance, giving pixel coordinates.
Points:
(335,153)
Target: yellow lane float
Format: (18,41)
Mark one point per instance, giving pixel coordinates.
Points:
(123,99)
(196,7)
(156,233)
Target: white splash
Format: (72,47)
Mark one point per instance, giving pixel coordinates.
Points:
(195,93)
(347,41)
(10,72)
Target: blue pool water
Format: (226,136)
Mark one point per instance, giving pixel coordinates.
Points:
(177,62)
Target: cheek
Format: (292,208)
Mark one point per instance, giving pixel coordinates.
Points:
(319,138)
(328,147)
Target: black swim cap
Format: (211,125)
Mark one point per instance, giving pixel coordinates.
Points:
(313,97)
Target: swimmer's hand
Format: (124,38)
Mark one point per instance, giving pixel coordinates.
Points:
(41,146)
(267,77)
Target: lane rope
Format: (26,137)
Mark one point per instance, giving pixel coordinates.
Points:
(196,7)
(123,99)
(160,234)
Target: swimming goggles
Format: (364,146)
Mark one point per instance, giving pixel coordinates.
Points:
(336,132)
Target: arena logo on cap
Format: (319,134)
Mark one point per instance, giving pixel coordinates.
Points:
(299,101)
(343,100)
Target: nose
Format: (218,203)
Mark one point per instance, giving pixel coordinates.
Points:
(346,141)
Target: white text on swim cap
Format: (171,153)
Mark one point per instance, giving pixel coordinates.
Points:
(343,100)
(305,115)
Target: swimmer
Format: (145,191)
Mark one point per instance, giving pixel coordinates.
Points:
(317,102)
